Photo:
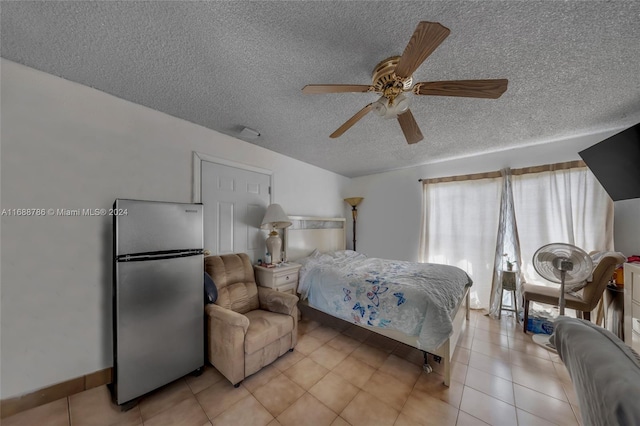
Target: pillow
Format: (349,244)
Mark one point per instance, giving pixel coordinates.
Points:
(210,290)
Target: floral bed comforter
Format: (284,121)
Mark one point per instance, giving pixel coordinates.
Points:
(417,299)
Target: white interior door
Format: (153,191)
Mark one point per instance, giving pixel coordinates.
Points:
(235,201)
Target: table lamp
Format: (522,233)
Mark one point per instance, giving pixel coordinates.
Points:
(275,219)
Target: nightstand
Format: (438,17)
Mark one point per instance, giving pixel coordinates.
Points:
(280,278)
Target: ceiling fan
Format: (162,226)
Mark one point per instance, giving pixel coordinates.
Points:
(393,77)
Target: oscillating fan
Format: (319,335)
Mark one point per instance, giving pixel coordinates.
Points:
(561,263)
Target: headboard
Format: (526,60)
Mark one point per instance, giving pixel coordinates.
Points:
(308,233)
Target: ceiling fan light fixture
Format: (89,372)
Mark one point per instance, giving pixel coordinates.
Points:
(400,105)
(380,106)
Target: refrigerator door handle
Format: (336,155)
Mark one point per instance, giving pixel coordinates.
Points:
(170,254)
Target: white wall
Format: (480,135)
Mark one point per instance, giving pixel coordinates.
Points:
(627,227)
(65,145)
(389,216)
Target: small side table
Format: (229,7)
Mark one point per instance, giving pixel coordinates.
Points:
(509,283)
(280,278)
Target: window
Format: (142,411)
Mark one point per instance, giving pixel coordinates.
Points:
(555,203)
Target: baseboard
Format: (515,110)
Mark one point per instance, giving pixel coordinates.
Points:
(11,406)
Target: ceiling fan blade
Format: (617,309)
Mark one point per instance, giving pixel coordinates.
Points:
(350,122)
(490,89)
(409,127)
(425,39)
(335,88)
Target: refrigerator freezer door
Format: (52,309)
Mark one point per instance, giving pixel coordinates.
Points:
(159,323)
(150,226)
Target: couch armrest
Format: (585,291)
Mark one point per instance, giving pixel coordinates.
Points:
(275,301)
(227,316)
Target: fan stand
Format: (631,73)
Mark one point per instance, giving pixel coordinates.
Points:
(564,265)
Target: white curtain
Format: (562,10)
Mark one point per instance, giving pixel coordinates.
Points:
(565,206)
(507,248)
(460,223)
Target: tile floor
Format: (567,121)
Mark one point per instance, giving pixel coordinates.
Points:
(343,375)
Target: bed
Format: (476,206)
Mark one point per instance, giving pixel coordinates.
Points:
(421,305)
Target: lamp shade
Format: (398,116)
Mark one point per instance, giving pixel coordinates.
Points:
(275,218)
(353,201)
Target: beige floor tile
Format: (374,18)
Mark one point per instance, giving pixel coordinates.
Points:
(218,397)
(366,410)
(185,413)
(459,372)
(278,394)
(55,413)
(489,349)
(494,386)
(490,365)
(572,397)
(530,348)
(305,326)
(339,421)
(491,337)
(94,407)
(323,334)
(164,398)
(247,411)
(372,356)
(307,344)
(354,371)
(543,383)
(461,355)
(495,326)
(562,372)
(531,362)
(429,411)
(544,406)
(486,408)
(306,373)
(402,370)
(261,377)
(334,392)
(327,356)
(288,359)
(208,377)
(465,419)
(307,411)
(578,414)
(431,385)
(465,341)
(274,422)
(528,419)
(344,343)
(387,389)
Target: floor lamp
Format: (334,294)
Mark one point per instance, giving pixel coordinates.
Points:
(353,202)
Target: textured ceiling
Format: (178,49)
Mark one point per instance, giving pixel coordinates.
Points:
(573,68)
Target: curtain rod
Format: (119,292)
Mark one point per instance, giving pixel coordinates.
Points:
(516,172)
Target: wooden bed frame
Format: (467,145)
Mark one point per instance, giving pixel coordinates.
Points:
(310,233)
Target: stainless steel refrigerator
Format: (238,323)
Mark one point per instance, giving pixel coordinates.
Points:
(158,302)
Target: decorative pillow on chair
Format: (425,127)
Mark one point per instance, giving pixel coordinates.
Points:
(210,290)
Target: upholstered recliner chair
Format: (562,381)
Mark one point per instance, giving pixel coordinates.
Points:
(248,327)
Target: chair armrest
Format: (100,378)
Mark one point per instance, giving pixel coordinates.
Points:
(278,302)
(227,316)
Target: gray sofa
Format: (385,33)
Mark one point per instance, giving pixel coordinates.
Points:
(604,370)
